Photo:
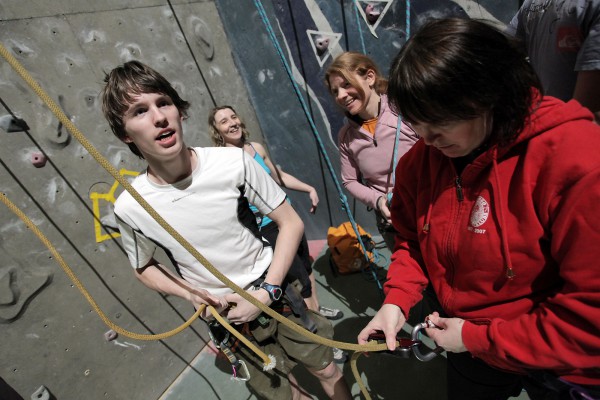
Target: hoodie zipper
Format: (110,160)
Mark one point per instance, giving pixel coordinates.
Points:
(459,189)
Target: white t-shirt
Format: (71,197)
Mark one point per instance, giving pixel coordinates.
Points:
(562,38)
(208,209)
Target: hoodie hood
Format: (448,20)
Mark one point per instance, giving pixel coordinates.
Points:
(547,114)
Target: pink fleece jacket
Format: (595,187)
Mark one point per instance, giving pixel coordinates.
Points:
(530,208)
(366,161)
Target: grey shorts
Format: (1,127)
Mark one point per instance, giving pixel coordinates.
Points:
(290,349)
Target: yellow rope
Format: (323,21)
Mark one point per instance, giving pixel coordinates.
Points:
(83,290)
(57,111)
(267,361)
(357,376)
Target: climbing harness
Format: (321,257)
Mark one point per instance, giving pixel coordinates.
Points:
(224,341)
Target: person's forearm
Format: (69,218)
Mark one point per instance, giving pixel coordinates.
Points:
(586,90)
(363,193)
(290,233)
(291,182)
(158,278)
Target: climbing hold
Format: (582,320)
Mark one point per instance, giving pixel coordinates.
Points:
(205,38)
(60,136)
(41,394)
(13,124)
(373,12)
(321,44)
(38,159)
(110,335)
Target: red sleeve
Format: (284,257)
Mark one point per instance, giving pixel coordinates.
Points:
(405,279)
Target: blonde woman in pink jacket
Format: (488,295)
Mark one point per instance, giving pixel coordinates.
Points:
(367,139)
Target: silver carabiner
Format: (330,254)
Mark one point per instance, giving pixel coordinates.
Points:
(415,347)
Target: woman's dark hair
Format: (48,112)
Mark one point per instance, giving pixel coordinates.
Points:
(126,81)
(457,69)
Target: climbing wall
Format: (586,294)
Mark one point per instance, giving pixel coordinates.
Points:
(311,33)
(215,52)
(50,335)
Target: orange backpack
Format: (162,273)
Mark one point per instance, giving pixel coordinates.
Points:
(346,252)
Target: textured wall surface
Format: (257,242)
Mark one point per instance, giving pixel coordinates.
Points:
(50,335)
(299,25)
(216,52)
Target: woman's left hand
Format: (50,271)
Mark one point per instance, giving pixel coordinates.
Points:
(314,199)
(383,208)
(447,333)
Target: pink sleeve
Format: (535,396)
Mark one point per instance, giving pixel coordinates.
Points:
(351,174)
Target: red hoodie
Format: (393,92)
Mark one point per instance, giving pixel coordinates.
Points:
(530,209)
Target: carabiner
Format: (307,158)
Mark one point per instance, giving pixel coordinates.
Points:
(415,347)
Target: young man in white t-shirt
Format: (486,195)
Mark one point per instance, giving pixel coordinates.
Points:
(203,193)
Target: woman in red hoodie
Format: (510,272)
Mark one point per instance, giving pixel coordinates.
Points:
(501,211)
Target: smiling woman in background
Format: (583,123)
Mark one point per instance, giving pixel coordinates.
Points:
(367,140)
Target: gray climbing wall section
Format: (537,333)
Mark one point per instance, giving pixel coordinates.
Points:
(215,52)
(50,334)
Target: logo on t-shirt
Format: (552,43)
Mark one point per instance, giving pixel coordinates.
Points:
(568,39)
(479,214)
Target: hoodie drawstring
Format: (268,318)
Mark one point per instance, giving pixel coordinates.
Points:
(426,225)
(510,273)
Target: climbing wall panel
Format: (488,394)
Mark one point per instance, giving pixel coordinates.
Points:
(311,33)
(50,334)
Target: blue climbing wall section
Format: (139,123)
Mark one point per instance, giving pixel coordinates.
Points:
(311,33)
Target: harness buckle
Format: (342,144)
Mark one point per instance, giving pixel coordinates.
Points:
(223,341)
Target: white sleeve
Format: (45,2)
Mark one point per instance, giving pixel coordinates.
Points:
(138,247)
(588,58)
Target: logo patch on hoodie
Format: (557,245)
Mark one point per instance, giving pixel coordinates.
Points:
(479,214)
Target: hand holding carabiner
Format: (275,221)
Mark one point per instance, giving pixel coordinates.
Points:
(446,332)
